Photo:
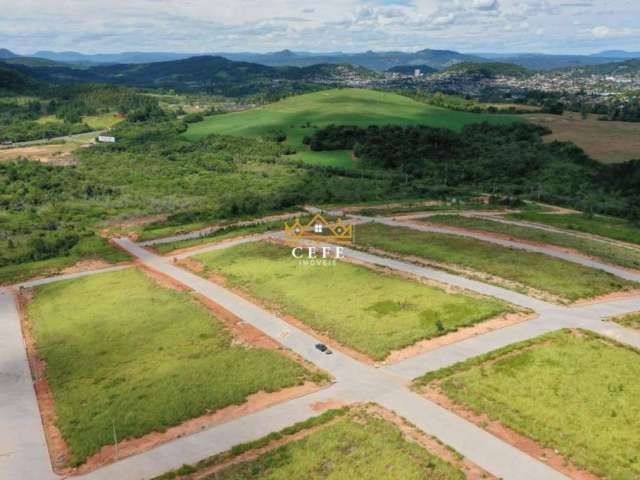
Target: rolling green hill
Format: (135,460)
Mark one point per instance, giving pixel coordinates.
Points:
(302,115)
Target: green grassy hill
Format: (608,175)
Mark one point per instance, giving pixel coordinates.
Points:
(302,115)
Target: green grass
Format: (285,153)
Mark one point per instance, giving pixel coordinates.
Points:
(548,274)
(371,312)
(570,391)
(412,208)
(304,114)
(606,252)
(121,350)
(631,321)
(89,248)
(219,235)
(610,227)
(357,446)
(101,122)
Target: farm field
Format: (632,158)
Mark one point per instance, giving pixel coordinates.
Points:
(356,444)
(632,320)
(615,228)
(608,142)
(389,314)
(302,115)
(617,255)
(140,358)
(566,280)
(558,390)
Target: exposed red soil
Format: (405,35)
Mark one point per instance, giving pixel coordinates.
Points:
(463,333)
(395,356)
(328,404)
(256,402)
(410,433)
(472,274)
(609,297)
(432,444)
(243,333)
(196,266)
(533,243)
(532,448)
(253,454)
(59,452)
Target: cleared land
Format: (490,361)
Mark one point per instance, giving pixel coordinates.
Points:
(122,351)
(615,228)
(606,252)
(304,114)
(632,320)
(55,154)
(90,251)
(608,142)
(541,272)
(357,445)
(371,312)
(571,390)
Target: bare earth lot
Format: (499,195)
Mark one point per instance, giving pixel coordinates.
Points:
(609,142)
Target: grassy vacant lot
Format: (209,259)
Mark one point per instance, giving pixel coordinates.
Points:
(368,447)
(371,312)
(571,391)
(558,277)
(632,320)
(616,228)
(358,445)
(302,115)
(119,348)
(609,142)
(609,253)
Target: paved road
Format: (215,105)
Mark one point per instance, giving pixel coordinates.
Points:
(548,228)
(355,381)
(214,228)
(579,259)
(23,450)
(362,381)
(49,140)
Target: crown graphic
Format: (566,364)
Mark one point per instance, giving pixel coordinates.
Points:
(319,229)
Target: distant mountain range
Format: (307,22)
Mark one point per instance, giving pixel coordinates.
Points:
(379,61)
(214,74)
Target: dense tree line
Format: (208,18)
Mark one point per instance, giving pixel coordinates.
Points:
(509,159)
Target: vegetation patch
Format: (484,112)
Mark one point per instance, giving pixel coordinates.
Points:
(354,444)
(632,320)
(606,252)
(541,272)
(124,353)
(608,142)
(610,227)
(224,233)
(558,389)
(303,115)
(371,312)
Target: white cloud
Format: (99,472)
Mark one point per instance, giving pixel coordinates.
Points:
(351,25)
(485,4)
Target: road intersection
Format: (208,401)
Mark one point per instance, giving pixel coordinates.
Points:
(26,455)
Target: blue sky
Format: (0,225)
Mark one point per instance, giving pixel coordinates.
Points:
(91,26)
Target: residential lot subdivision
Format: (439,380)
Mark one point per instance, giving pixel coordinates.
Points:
(499,362)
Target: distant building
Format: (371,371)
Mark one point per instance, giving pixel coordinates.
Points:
(105,139)
(417,72)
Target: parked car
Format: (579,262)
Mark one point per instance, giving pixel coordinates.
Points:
(323,348)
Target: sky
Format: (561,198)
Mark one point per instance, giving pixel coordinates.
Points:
(202,26)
